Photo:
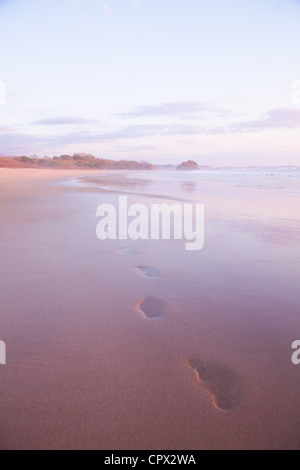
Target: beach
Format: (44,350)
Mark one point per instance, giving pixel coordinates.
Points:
(89,368)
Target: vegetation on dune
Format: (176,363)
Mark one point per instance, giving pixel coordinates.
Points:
(78,160)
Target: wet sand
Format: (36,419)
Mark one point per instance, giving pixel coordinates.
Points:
(141,344)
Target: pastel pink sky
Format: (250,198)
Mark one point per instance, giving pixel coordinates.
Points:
(152,80)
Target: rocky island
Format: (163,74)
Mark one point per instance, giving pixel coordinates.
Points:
(188,166)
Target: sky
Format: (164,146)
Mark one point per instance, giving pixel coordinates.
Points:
(164,81)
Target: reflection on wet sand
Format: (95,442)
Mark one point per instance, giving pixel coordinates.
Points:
(277,232)
(122,182)
(189,186)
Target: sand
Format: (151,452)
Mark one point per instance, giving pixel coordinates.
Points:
(90,365)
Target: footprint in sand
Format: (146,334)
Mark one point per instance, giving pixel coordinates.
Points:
(151,307)
(146,271)
(223,384)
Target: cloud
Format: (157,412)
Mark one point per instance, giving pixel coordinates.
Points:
(183,129)
(18,142)
(177,109)
(137,148)
(281,118)
(107,9)
(143,148)
(274,119)
(12,142)
(64,120)
(129,132)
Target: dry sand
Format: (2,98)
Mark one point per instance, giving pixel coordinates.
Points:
(89,366)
